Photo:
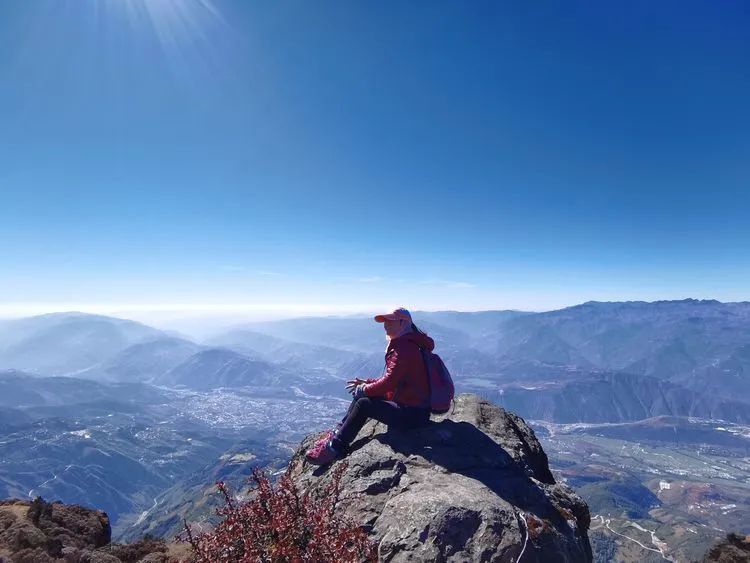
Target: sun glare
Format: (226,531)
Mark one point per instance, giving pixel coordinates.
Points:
(174,21)
(189,33)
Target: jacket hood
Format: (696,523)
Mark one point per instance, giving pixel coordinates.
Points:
(421,340)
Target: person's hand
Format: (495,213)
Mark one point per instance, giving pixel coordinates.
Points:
(359,391)
(351,385)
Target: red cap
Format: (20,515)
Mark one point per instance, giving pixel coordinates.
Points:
(397,315)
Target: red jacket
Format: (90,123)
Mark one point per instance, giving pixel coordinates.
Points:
(404,374)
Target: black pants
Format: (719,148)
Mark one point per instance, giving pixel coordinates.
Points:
(387,412)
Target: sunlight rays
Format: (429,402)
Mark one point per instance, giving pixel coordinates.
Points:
(175,22)
(187,33)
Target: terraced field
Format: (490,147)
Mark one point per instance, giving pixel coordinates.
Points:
(653,498)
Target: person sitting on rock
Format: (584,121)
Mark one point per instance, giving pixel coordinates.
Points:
(400,398)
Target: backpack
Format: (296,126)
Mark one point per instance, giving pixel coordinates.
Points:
(439,382)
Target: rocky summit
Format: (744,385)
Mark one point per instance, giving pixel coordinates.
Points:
(473,485)
(43,532)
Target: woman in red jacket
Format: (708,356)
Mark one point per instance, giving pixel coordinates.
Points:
(400,398)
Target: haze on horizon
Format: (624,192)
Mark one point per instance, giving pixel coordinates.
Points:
(210,157)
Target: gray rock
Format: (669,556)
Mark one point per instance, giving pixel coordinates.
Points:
(98,557)
(154,558)
(473,485)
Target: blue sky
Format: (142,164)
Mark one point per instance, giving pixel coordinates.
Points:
(337,156)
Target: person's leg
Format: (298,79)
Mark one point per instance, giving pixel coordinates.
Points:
(328,434)
(348,413)
(381,410)
(360,411)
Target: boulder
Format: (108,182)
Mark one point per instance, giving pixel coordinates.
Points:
(43,532)
(473,485)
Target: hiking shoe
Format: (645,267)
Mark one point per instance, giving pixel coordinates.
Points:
(321,442)
(327,435)
(321,453)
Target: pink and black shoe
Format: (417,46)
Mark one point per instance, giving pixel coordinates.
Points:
(322,453)
(327,435)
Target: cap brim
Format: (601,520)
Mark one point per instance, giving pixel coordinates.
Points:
(383,318)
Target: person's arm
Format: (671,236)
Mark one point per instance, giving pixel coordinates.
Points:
(394,372)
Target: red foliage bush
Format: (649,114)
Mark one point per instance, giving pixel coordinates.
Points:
(280,524)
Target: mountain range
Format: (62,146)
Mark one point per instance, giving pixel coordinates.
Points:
(138,421)
(686,357)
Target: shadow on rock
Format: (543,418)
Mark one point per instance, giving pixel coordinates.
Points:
(461,447)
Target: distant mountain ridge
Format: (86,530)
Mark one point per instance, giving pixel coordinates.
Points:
(144,361)
(701,346)
(61,343)
(617,397)
(227,369)
(260,346)
(661,338)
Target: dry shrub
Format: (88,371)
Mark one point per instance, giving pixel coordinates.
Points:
(281,524)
